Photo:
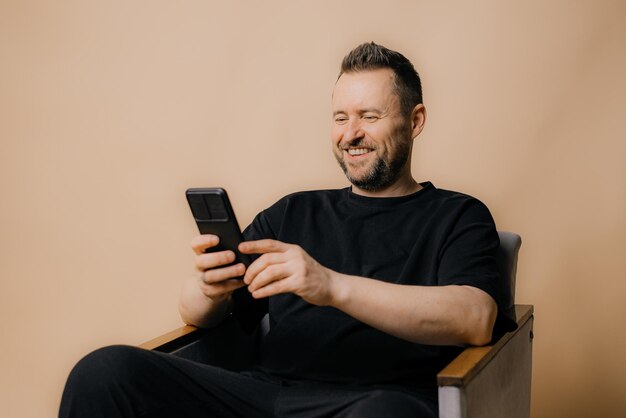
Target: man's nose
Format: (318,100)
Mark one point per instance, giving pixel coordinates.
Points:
(353,130)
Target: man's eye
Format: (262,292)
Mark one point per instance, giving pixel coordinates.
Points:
(341,119)
(370,117)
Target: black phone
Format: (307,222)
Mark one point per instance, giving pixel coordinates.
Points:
(214,215)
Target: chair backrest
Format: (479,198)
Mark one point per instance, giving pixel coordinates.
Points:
(510,244)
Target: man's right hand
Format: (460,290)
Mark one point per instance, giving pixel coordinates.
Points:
(205,299)
(216,282)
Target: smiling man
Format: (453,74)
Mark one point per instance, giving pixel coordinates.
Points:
(370,289)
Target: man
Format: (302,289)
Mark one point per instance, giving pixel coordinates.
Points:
(368,288)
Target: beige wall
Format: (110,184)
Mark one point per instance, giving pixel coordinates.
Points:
(109,110)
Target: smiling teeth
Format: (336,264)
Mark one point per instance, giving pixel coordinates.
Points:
(358,151)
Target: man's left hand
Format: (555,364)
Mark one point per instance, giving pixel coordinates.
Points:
(286,268)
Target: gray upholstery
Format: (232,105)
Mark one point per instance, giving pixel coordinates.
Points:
(510,244)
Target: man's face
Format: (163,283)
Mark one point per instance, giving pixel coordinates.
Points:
(370,136)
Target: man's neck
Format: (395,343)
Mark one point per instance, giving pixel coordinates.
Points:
(401,187)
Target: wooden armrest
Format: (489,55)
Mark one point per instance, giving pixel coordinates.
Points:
(173,339)
(460,371)
(226,345)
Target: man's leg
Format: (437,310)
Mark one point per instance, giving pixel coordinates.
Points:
(336,402)
(123,381)
(386,403)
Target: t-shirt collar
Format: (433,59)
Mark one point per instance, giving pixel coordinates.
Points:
(387,201)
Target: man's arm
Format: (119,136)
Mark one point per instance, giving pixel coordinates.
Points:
(438,315)
(442,315)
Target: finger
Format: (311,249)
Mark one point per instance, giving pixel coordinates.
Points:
(205,261)
(221,289)
(273,273)
(263,246)
(200,243)
(261,264)
(272,289)
(215,276)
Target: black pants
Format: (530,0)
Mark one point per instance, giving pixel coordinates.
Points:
(123,381)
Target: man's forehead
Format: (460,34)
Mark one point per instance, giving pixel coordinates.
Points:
(364,87)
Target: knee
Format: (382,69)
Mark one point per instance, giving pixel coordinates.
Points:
(392,403)
(105,365)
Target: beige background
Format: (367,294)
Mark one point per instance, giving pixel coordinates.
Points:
(109,110)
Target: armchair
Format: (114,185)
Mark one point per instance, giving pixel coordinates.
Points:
(482,382)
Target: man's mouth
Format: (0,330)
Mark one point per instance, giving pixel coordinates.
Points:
(354,152)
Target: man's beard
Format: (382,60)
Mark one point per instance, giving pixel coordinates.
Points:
(383,172)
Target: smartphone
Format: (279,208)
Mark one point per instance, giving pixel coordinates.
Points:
(214,215)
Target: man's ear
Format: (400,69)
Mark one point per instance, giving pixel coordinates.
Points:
(418,119)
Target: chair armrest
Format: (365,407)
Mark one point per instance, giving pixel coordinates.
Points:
(460,371)
(173,340)
(226,345)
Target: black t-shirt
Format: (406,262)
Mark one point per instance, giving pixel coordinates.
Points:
(433,237)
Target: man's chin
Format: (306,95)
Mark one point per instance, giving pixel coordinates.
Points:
(371,180)
(360,171)
(363,182)
(358,180)
(362,176)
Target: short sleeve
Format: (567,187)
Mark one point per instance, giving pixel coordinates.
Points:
(469,257)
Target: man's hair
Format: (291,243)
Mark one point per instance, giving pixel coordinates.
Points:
(370,56)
